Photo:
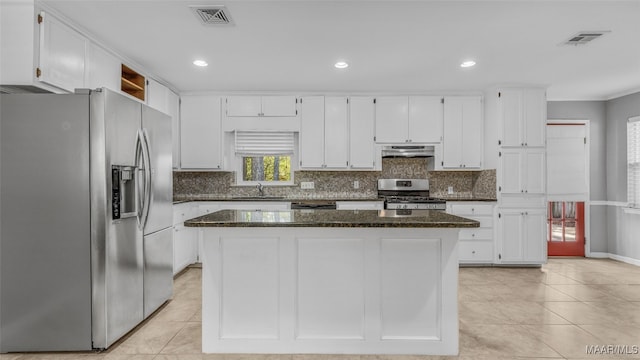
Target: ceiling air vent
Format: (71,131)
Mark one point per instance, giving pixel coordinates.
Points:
(213,15)
(584,37)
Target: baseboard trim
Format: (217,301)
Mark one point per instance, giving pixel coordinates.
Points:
(598,255)
(624,259)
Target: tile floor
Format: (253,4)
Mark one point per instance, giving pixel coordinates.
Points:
(552,312)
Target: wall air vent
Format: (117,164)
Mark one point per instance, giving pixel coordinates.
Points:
(212,15)
(584,37)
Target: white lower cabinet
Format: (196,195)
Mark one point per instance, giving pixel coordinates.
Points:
(476,245)
(522,238)
(185,239)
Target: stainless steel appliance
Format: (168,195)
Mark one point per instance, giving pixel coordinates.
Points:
(408,194)
(86,246)
(408,151)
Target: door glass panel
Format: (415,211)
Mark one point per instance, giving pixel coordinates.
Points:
(556,230)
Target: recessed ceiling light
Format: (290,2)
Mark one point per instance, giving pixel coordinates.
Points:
(200,63)
(468,63)
(341,65)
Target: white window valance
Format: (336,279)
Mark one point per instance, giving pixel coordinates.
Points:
(264,142)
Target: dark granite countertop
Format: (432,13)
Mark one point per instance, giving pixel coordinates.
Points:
(332,218)
(181,199)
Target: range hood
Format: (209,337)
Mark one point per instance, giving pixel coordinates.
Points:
(407,151)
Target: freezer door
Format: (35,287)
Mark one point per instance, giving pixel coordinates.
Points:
(45,268)
(157,126)
(117,244)
(158,269)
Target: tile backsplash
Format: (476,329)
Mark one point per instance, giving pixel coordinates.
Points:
(339,184)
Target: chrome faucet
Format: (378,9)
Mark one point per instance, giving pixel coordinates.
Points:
(260,189)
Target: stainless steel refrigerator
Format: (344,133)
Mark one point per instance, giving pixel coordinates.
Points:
(86,247)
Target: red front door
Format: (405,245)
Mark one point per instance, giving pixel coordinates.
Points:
(565,228)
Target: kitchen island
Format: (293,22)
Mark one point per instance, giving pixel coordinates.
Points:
(330,281)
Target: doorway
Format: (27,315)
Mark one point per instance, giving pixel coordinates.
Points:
(567,187)
(565,236)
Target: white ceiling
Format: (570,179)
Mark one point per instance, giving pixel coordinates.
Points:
(392,46)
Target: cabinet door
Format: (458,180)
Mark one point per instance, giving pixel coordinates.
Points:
(510,226)
(535,117)
(244,106)
(511,174)
(534,171)
(511,103)
(103,69)
(173,109)
(157,96)
(453,127)
(392,119)
(535,239)
(425,118)
(200,133)
(62,54)
(279,106)
(471,132)
(312,132)
(336,134)
(361,132)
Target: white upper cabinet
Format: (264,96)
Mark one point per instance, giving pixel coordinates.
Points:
(462,141)
(312,132)
(157,95)
(272,105)
(336,132)
(523,113)
(361,133)
(324,132)
(200,132)
(392,119)
(425,119)
(408,119)
(103,69)
(62,54)
(173,109)
(522,171)
(163,99)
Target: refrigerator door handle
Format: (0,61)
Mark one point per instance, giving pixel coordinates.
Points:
(143,186)
(147,176)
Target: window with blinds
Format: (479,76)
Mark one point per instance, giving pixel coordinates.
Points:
(633,162)
(265,157)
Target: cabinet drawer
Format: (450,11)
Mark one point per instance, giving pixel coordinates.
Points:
(471,209)
(475,251)
(359,205)
(184,211)
(485,221)
(476,234)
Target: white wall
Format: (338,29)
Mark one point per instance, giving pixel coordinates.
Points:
(595,112)
(623,228)
(612,230)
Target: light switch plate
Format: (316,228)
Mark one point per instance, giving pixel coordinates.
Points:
(450,190)
(307,185)
(356,184)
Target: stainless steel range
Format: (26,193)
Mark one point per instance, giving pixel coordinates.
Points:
(408,194)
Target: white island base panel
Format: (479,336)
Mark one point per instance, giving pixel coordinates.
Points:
(330,290)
